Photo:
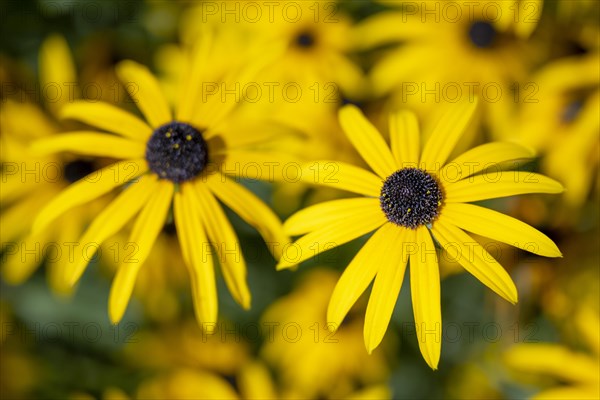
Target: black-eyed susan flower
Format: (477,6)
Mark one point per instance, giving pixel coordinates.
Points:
(315,37)
(414,199)
(169,161)
(489,52)
(564,123)
(29,181)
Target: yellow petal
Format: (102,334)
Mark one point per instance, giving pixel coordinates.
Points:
(146,229)
(110,221)
(482,157)
(425,292)
(193,241)
(225,241)
(342,176)
(90,143)
(388,27)
(20,259)
(551,359)
(192,84)
(323,214)
(251,209)
(475,259)
(499,184)
(89,188)
(270,166)
(255,382)
(386,288)
(497,226)
(404,137)
(57,72)
(446,134)
(529,15)
(579,392)
(367,141)
(108,117)
(333,235)
(143,87)
(358,275)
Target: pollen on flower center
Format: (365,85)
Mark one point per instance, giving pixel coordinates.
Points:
(482,34)
(410,197)
(177,151)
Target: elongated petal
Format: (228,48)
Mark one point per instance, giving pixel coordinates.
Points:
(251,209)
(386,288)
(404,138)
(90,143)
(21,258)
(146,229)
(529,16)
(500,184)
(475,259)
(497,226)
(335,234)
(367,141)
(388,27)
(89,188)
(143,87)
(270,166)
(108,117)
(110,221)
(323,214)
(358,275)
(223,238)
(342,176)
(446,134)
(481,157)
(425,292)
(193,241)
(191,82)
(551,359)
(57,72)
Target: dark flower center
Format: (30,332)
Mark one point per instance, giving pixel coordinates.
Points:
(78,169)
(305,39)
(572,111)
(177,151)
(410,197)
(482,34)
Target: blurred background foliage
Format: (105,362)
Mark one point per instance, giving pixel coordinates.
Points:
(56,346)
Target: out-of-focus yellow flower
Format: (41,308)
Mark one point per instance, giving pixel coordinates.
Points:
(311,360)
(563,123)
(182,159)
(254,382)
(185,345)
(414,197)
(314,36)
(578,370)
(451,51)
(30,180)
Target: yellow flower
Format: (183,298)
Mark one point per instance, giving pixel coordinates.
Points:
(578,370)
(314,36)
(564,123)
(300,340)
(254,382)
(413,198)
(29,181)
(451,51)
(170,159)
